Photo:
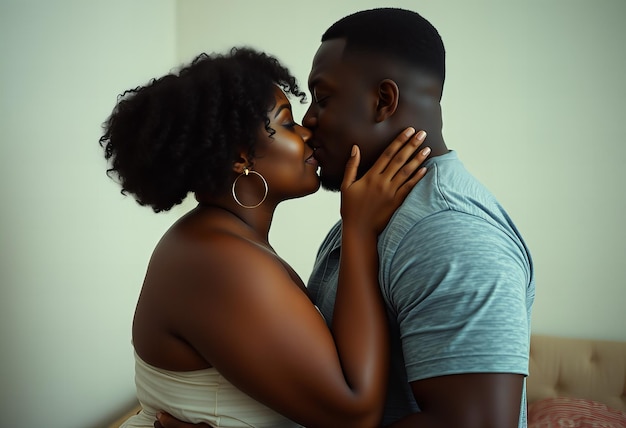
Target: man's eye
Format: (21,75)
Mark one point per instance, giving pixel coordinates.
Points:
(322,101)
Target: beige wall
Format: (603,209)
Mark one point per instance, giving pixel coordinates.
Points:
(73,249)
(534,104)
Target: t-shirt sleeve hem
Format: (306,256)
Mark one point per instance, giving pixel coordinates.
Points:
(466,365)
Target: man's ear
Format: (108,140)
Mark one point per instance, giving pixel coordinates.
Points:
(388,98)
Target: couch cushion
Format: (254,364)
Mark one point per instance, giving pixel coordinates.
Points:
(573,412)
(581,368)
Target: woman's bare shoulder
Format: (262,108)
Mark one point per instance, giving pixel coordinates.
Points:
(213,253)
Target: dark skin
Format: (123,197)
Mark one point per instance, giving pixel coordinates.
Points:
(368,99)
(195,283)
(397,95)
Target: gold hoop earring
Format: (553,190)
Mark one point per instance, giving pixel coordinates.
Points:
(247,172)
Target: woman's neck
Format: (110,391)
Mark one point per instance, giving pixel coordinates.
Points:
(257,220)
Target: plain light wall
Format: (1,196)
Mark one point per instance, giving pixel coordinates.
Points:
(533,104)
(74,251)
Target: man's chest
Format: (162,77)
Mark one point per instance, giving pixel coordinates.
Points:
(322,284)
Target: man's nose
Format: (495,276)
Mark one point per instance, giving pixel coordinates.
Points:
(310,118)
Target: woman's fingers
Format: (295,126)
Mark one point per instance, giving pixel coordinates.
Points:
(352,166)
(406,186)
(398,152)
(399,156)
(370,201)
(392,150)
(407,170)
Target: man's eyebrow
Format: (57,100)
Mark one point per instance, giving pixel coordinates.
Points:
(313,83)
(281,108)
(320,84)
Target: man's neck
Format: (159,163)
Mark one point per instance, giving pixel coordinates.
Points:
(436,143)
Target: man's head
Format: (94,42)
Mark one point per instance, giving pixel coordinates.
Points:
(375,73)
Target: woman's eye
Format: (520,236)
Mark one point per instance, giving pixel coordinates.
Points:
(290,125)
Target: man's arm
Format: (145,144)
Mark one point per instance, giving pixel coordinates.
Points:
(463,318)
(165,420)
(478,400)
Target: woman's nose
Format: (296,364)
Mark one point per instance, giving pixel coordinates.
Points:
(305,133)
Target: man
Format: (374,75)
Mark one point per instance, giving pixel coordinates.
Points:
(455,274)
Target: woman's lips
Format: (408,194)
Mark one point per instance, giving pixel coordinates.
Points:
(312,161)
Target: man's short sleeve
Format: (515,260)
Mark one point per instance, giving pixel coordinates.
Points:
(459,287)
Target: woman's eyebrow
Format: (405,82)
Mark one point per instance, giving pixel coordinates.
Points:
(281,108)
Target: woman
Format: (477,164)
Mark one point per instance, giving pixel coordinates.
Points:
(224,332)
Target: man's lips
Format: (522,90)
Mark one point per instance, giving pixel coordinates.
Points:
(311,160)
(312,155)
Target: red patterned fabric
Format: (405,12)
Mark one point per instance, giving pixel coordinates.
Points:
(564,412)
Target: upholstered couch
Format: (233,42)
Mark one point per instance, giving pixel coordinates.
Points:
(572,383)
(576,383)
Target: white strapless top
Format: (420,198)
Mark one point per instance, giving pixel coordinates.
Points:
(198,396)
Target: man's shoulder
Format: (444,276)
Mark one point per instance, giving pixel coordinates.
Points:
(331,242)
(333,237)
(447,193)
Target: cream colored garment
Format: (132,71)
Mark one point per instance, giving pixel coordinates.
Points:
(198,396)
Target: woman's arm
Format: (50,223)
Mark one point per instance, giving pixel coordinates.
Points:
(262,333)
(366,207)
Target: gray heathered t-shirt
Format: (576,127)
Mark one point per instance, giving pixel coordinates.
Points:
(457,280)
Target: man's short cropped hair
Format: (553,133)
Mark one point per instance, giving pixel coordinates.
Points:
(395,33)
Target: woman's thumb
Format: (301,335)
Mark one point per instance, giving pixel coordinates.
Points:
(352,166)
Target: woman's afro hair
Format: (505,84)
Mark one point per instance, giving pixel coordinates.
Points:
(181,133)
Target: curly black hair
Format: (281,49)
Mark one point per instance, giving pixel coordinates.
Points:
(181,133)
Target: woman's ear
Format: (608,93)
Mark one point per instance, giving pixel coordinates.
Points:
(388,98)
(242,162)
